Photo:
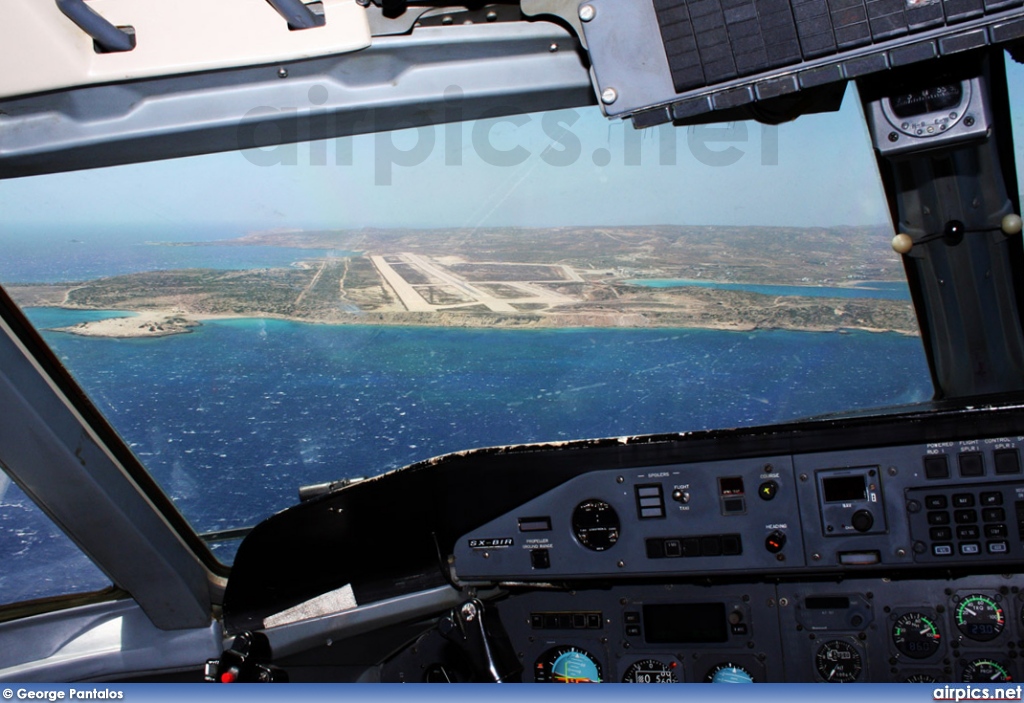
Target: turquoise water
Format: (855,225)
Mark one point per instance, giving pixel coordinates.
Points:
(234,417)
(46,318)
(888,290)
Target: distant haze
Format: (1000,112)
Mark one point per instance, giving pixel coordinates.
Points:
(816,171)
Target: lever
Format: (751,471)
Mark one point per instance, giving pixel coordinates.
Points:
(247,660)
(480,634)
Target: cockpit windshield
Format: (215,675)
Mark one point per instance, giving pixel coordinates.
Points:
(252,322)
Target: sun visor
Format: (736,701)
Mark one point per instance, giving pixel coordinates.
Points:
(663,60)
(70,43)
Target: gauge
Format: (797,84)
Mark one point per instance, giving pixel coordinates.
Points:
(980,617)
(567,664)
(650,671)
(986,671)
(727,672)
(916,635)
(838,661)
(921,102)
(920,678)
(595,524)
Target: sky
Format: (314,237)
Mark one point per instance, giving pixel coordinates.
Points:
(572,167)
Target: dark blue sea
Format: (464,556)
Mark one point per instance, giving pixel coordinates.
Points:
(257,408)
(234,417)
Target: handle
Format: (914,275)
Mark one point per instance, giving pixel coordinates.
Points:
(107,36)
(298,15)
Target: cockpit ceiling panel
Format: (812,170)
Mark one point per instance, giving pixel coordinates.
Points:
(171,37)
(499,68)
(662,60)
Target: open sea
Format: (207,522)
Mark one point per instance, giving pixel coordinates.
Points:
(261,407)
(234,417)
(72,260)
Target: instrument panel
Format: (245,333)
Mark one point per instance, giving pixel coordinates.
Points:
(865,565)
(953,504)
(856,550)
(878,630)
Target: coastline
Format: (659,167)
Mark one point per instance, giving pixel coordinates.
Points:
(146,324)
(156,323)
(406,286)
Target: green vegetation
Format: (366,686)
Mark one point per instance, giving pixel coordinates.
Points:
(568,277)
(778,255)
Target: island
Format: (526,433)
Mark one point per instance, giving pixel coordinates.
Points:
(739,278)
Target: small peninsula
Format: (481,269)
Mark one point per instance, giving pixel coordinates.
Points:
(143,324)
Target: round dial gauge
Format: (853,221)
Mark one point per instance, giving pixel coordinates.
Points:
(727,672)
(838,661)
(567,665)
(595,524)
(980,617)
(920,678)
(916,635)
(650,671)
(986,671)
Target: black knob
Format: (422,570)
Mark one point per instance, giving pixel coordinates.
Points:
(767,490)
(775,541)
(953,232)
(862,520)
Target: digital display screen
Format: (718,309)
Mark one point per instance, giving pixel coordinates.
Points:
(844,489)
(731,485)
(827,602)
(685,623)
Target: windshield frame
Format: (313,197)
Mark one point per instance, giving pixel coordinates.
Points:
(63,454)
(91,421)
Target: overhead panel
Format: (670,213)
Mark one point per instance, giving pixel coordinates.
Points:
(662,60)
